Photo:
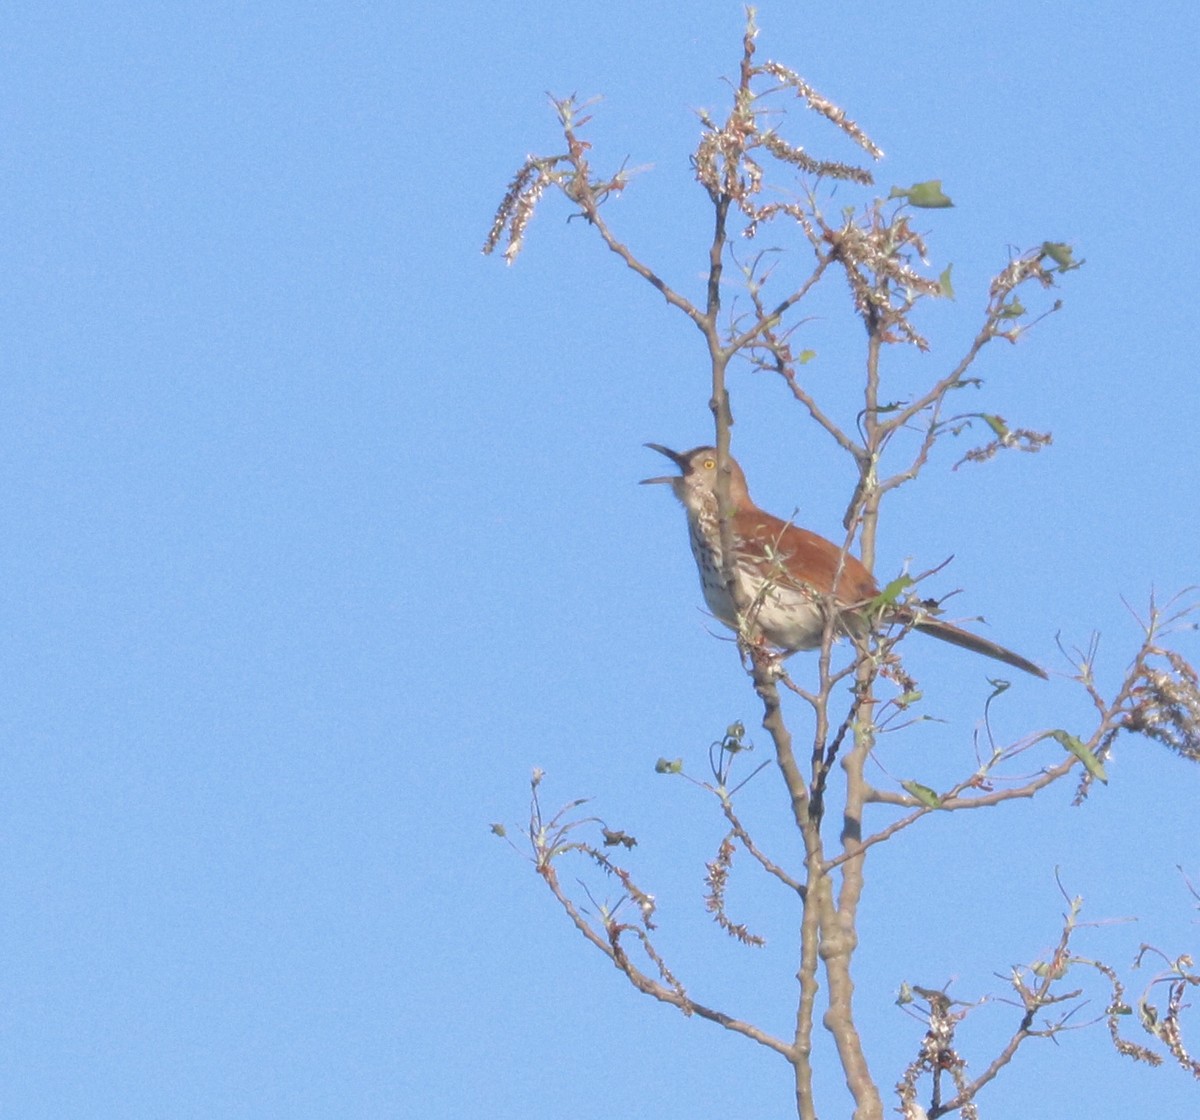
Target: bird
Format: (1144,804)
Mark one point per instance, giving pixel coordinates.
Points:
(787,572)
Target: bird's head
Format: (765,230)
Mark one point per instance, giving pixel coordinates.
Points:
(696,484)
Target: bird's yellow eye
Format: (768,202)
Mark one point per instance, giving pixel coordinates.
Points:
(708,464)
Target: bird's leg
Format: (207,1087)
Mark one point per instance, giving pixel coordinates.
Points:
(759,654)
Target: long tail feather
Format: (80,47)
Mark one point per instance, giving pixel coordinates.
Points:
(966,640)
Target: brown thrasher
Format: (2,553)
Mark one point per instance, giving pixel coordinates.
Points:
(785,571)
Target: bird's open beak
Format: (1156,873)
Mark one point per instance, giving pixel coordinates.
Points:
(675,458)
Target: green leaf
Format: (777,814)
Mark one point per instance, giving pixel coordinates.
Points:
(892,591)
(1012,310)
(926,196)
(905,995)
(1054,971)
(1080,750)
(923,794)
(1061,254)
(499,830)
(667,766)
(944,282)
(805,357)
(997,424)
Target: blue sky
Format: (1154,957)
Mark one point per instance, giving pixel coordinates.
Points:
(323,530)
